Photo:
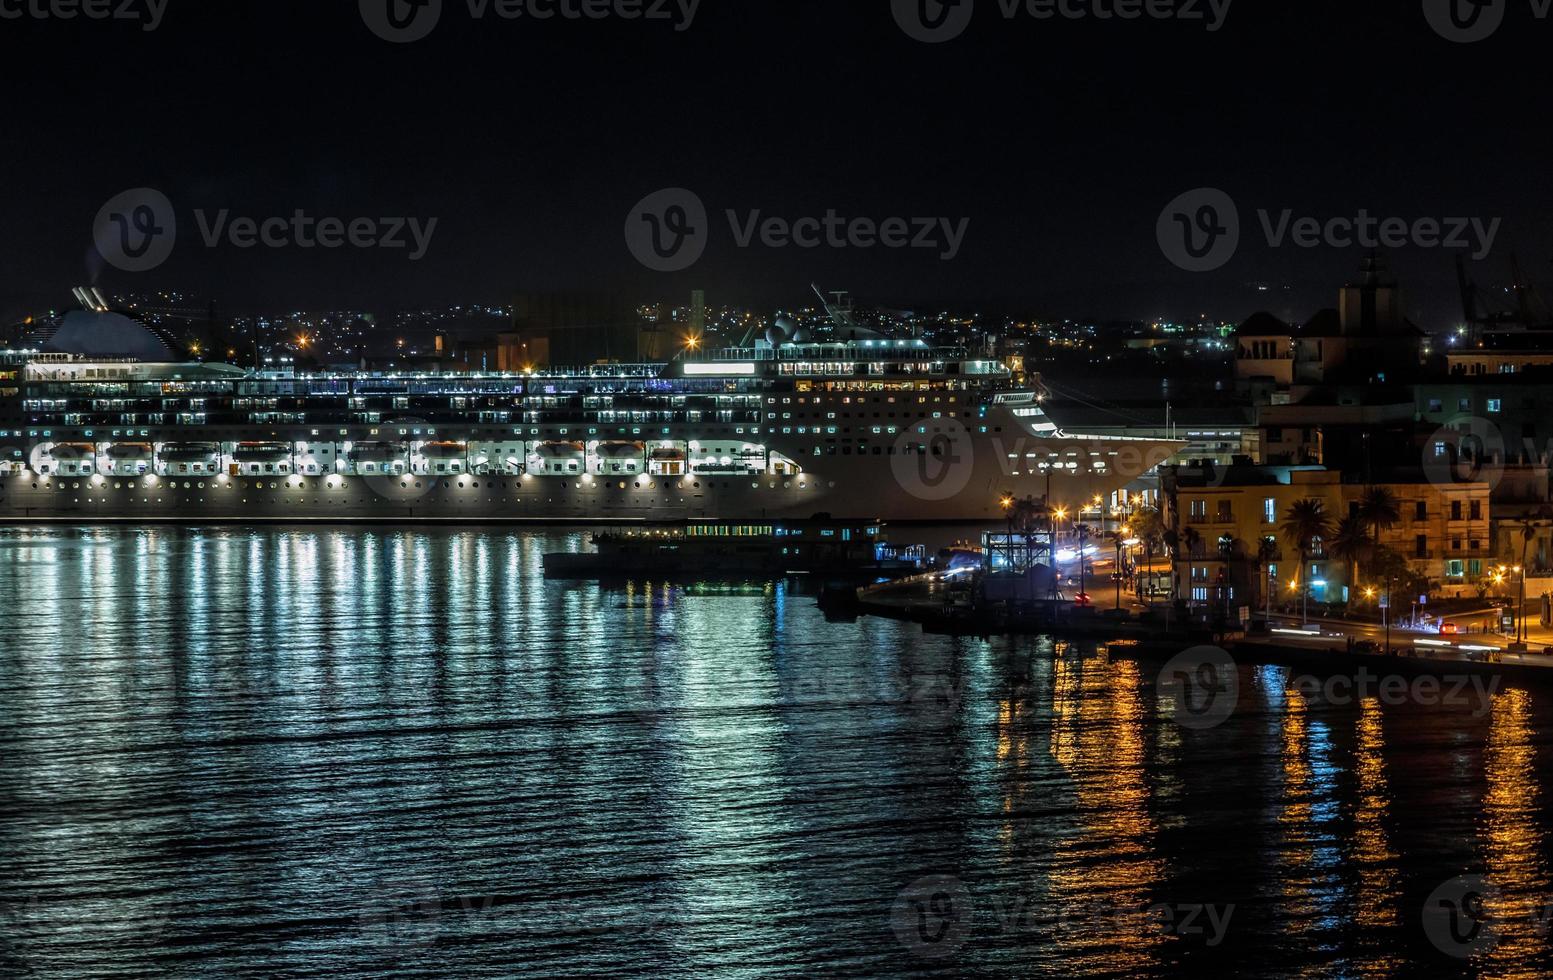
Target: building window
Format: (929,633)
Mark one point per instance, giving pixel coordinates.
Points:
(1421,510)
(1477,510)
(1226,512)
(1269,511)
(1455,510)
(1495,406)
(1455,569)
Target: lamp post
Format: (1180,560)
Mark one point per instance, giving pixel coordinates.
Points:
(1522,634)
(1081,531)
(1119,571)
(1007,504)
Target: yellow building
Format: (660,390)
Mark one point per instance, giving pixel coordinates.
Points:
(1231,549)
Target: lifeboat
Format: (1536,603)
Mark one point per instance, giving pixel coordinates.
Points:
(72,452)
(376,452)
(620,451)
(190,452)
(130,452)
(130,458)
(445,452)
(559,450)
(262,452)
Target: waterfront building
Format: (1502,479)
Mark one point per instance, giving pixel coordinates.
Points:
(1231,550)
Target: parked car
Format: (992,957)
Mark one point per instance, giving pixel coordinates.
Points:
(1450,629)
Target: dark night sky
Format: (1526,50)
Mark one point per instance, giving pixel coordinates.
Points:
(1061,141)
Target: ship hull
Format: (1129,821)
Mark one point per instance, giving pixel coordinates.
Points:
(860,489)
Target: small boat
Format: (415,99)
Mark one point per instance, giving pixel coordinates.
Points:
(711,549)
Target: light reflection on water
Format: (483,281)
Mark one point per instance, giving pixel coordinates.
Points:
(372,750)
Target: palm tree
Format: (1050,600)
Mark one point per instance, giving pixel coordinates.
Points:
(1266,554)
(1304,526)
(1351,542)
(1148,527)
(1190,544)
(1379,510)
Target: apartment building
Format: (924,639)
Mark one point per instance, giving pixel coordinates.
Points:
(1232,551)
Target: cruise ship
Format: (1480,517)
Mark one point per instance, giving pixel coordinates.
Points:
(103,424)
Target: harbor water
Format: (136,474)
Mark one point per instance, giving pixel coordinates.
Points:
(369,750)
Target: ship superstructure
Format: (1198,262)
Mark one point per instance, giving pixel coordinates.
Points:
(870,429)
